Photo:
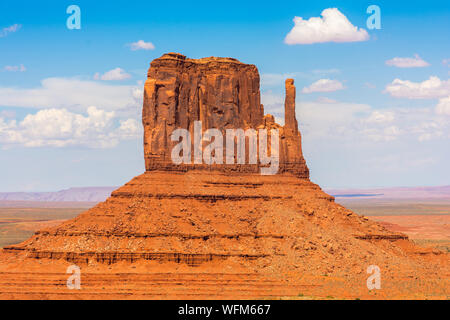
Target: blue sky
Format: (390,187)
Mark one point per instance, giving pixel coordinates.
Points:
(360,129)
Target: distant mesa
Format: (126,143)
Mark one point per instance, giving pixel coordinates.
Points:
(356,195)
(413,193)
(86,194)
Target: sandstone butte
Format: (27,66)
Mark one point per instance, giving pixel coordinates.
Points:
(221,231)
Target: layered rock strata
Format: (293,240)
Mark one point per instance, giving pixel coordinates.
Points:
(221,93)
(196,217)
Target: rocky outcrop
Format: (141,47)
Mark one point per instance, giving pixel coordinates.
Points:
(221,93)
(194,217)
(290,121)
(292,154)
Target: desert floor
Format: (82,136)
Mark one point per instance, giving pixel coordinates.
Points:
(425,221)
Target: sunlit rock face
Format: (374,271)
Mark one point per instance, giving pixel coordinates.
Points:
(221,93)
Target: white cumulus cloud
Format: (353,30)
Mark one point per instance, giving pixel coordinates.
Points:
(324,85)
(333,26)
(415,62)
(330,120)
(62,128)
(113,75)
(443,106)
(129,128)
(142,45)
(428,89)
(349,121)
(319,120)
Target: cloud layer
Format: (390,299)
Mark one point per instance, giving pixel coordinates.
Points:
(332,27)
(72,94)
(142,45)
(415,62)
(324,85)
(428,89)
(360,122)
(330,120)
(116,74)
(443,106)
(61,128)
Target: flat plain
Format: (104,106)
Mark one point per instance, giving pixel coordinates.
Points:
(19,220)
(425,221)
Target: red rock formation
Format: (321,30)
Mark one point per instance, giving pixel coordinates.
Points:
(222,93)
(232,227)
(292,154)
(290,121)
